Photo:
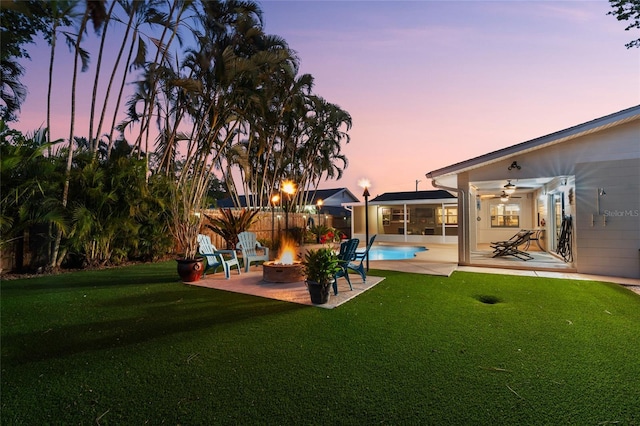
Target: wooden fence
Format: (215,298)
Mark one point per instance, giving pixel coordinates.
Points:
(271,226)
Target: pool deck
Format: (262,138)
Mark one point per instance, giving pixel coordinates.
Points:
(444,258)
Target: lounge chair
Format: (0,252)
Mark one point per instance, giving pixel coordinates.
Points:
(510,246)
(346,255)
(252,250)
(216,258)
(361,256)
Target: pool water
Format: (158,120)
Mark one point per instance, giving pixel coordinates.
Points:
(394,252)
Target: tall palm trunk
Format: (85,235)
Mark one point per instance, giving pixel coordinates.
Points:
(124,77)
(161,55)
(55,261)
(93,140)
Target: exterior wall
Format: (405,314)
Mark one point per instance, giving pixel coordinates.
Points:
(618,143)
(608,159)
(608,226)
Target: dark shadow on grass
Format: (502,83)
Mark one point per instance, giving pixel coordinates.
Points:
(152,273)
(161,314)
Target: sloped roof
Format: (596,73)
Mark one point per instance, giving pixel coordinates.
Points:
(344,194)
(438,194)
(592,126)
(336,197)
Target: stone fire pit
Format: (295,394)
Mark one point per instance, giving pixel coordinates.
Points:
(282,273)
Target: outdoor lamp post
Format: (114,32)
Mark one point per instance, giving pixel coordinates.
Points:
(319,204)
(274,200)
(364,183)
(289,188)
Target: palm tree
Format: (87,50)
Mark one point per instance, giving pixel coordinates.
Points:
(95,12)
(61,14)
(139,12)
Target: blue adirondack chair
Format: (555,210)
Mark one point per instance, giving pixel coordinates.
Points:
(252,250)
(217,258)
(346,255)
(360,256)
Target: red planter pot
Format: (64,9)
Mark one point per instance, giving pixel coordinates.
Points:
(190,270)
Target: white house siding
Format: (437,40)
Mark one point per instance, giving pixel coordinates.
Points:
(608,241)
(609,158)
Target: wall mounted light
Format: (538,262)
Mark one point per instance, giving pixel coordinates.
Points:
(514,165)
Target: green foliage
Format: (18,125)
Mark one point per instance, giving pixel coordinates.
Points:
(415,349)
(29,184)
(326,234)
(229,224)
(114,214)
(627,10)
(320,265)
(20,21)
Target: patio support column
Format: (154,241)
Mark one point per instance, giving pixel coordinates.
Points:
(464,213)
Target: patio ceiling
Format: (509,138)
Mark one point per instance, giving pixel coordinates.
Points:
(523,186)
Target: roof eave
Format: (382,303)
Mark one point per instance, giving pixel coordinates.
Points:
(589,127)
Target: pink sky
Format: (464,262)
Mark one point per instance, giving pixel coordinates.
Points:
(432,83)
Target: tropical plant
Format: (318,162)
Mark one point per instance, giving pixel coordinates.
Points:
(29,185)
(321,265)
(20,21)
(229,224)
(627,10)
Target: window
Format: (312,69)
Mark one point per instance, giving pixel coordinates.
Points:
(450,215)
(386,216)
(505,216)
(397,215)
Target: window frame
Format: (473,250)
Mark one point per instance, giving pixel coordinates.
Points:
(506,220)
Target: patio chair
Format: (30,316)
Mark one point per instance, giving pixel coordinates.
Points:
(216,258)
(252,250)
(346,255)
(510,246)
(361,255)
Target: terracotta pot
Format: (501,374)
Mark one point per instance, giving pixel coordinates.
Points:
(190,270)
(319,294)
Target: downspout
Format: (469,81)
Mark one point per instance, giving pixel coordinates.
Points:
(464,257)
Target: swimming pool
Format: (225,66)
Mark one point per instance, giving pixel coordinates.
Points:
(394,252)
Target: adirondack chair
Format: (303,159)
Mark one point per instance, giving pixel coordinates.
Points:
(252,250)
(510,246)
(346,255)
(361,256)
(217,258)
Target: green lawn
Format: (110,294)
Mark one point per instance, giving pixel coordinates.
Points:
(135,346)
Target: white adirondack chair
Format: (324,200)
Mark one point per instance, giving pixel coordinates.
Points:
(216,258)
(252,250)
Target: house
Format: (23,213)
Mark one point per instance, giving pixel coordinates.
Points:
(413,217)
(580,187)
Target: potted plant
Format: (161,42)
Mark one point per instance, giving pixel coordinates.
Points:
(185,225)
(320,267)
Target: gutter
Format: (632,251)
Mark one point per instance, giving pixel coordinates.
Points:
(463,239)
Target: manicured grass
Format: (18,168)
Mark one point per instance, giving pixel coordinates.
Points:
(135,346)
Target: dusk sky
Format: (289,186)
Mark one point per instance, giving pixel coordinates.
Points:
(432,83)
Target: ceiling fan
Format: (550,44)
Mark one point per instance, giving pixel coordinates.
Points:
(504,197)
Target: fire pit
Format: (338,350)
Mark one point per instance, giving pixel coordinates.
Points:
(280,273)
(284,269)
